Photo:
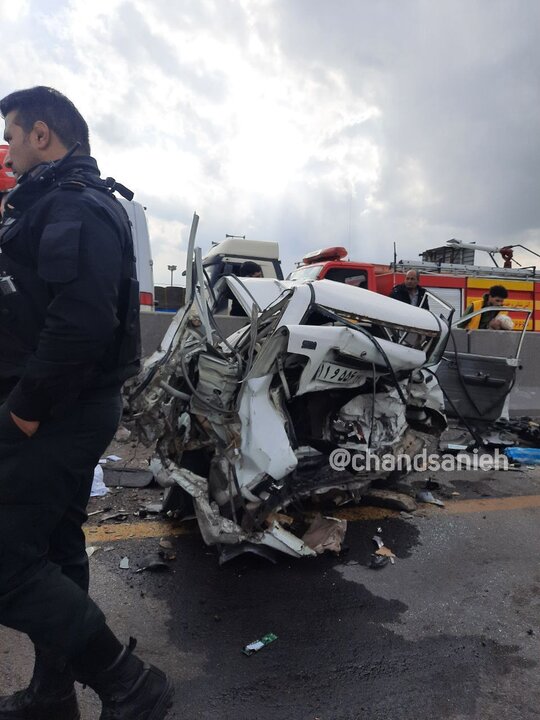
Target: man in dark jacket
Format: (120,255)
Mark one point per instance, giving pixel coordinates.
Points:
(69,337)
(410,291)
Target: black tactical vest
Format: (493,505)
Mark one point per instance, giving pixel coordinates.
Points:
(25,294)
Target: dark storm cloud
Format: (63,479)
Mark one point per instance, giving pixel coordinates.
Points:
(457,86)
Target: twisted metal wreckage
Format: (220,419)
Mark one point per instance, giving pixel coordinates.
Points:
(245,424)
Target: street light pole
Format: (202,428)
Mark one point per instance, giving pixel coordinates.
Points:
(172,268)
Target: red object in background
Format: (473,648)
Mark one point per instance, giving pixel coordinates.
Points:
(7,178)
(147,298)
(325,254)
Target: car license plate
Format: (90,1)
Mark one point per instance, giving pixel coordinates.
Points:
(332,373)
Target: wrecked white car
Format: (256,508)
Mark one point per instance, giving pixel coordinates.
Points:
(245,420)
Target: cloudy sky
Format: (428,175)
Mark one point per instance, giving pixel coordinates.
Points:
(310,122)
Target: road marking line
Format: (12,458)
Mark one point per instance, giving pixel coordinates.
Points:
(451,507)
(158,528)
(456,507)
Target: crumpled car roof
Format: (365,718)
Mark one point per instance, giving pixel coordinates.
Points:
(337,296)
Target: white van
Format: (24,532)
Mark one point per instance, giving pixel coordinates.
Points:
(141,244)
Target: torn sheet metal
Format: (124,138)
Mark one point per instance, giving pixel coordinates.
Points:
(245,423)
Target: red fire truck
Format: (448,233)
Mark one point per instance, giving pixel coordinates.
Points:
(456,283)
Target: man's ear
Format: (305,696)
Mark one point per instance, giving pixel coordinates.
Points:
(41,135)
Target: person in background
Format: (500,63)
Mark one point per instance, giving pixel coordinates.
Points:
(69,338)
(495,320)
(249,269)
(411,291)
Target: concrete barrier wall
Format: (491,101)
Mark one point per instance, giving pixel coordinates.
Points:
(524,398)
(153,327)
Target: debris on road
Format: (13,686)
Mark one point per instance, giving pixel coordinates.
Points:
(454,447)
(153,563)
(426,496)
(149,509)
(166,550)
(382,550)
(119,515)
(389,499)
(523,427)
(167,555)
(378,561)
(127,477)
(530,456)
(325,533)
(153,508)
(91,549)
(99,489)
(257,645)
(386,552)
(124,563)
(122,434)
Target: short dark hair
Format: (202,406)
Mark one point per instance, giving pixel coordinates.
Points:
(248,268)
(498,291)
(51,107)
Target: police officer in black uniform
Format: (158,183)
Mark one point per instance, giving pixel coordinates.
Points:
(69,338)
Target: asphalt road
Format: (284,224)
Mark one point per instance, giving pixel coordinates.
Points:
(451,630)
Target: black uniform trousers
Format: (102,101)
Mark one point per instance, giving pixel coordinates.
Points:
(45,484)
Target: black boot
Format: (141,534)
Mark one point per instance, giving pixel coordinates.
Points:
(50,694)
(130,689)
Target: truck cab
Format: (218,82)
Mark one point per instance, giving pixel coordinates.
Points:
(330,264)
(228,256)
